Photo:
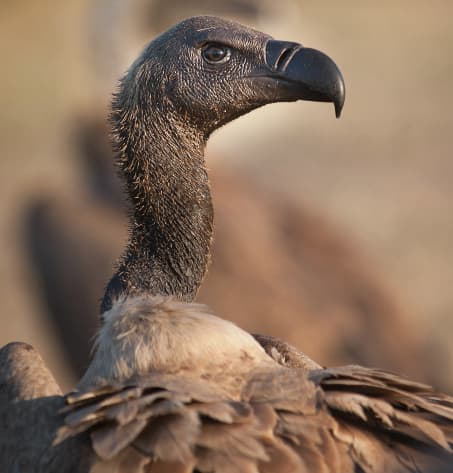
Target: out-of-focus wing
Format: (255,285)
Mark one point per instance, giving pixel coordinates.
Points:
(30,401)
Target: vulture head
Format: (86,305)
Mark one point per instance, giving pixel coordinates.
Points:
(207,71)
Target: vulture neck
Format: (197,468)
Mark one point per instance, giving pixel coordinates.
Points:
(161,159)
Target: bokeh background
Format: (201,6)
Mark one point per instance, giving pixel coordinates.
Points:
(346,248)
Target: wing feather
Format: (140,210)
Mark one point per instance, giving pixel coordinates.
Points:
(344,420)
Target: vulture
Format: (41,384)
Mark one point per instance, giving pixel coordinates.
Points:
(172,387)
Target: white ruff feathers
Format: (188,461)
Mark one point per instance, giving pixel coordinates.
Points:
(145,334)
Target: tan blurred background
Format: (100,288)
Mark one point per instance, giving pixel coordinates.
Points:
(382,175)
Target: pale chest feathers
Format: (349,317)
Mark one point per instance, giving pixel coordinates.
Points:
(146,334)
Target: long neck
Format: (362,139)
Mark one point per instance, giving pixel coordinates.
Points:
(162,163)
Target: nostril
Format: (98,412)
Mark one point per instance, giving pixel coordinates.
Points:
(280,53)
(285,57)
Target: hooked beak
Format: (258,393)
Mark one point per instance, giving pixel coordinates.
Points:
(300,73)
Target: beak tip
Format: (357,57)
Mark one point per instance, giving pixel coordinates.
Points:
(339,98)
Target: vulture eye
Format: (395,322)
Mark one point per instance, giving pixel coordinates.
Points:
(215,53)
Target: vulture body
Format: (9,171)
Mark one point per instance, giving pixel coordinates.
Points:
(172,387)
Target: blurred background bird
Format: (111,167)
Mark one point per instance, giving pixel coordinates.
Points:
(333,235)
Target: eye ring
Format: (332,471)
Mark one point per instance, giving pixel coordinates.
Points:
(216,53)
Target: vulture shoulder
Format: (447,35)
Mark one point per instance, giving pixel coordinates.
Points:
(29,400)
(252,414)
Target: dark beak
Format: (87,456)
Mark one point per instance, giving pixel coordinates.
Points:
(304,74)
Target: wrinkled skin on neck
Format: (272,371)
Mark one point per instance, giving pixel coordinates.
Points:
(161,161)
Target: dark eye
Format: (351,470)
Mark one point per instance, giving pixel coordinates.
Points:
(216,53)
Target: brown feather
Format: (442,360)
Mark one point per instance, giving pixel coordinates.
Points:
(110,439)
(170,437)
(337,427)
